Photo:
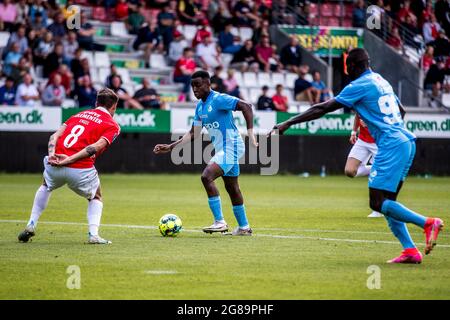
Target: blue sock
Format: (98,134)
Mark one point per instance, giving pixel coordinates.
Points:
(399,212)
(401,232)
(216,207)
(241,217)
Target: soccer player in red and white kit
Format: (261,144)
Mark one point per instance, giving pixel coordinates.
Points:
(72,151)
(364,149)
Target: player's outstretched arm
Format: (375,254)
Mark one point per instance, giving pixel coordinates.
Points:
(64,160)
(52,142)
(315,112)
(188,137)
(247,112)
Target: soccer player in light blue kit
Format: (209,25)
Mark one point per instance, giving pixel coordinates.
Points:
(215,112)
(373,98)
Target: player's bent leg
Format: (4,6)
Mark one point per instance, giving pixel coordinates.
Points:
(211,173)
(94,214)
(232,187)
(351,167)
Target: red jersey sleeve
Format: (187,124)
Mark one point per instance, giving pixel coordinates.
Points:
(111,133)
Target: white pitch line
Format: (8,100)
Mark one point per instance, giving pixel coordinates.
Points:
(160,272)
(128,226)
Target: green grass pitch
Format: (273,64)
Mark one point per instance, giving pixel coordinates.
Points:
(311,240)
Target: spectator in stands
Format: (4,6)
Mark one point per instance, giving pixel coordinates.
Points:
(12,59)
(8,92)
(442,9)
(265,54)
(260,30)
(121,10)
(188,13)
(243,14)
(222,16)
(213,9)
(435,77)
(33,41)
(27,93)
(44,48)
(176,47)
(86,93)
(22,9)
(406,12)
(135,20)
(207,54)
(245,58)
(75,64)
(303,89)
(86,35)
(66,78)
(184,68)
(125,100)
(148,97)
(54,94)
(148,40)
(58,27)
(166,22)
(320,85)
(85,70)
(217,81)
(395,41)
(427,59)
(54,59)
(8,15)
(38,9)
(18,37)
(38,24)
(228,42)
(70,45)
(291,56)
(280,101)
(201,33)
(231,85)
(426,13)
(359,15)
(431,29)
(441,45)
(22,68)
(113,72)
(265,103)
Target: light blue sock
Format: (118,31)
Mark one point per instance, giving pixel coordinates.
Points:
(399,212)
(241,217)
(400,231)
(216,207)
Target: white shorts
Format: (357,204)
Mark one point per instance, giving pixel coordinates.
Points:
(84,182)
(363,151)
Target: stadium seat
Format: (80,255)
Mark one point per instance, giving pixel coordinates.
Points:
(94,75)
(290,80)
(254,94)
(245,95)
(293,108)
(264,79)
(103,73)
(250,80)
(129,87)
(246,33)
(158,61)
(124,74)
(326,10)
(239,78)
(226,59)
(333,22)
(348,23)
(99,13)
(89,56)
(348,11)
(68,103)
(277,78)
(313,10)
(189,32)
(102,59)
(118,29)
(4,36)
(235,31)
(446,99)
(309,77)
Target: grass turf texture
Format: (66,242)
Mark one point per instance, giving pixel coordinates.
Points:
(316,259)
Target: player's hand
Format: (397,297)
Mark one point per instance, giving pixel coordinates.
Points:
(252,138)
(59,160)
(161,148)
(353,138)
(278,129)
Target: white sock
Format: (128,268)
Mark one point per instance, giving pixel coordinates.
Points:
(363,171)
(39,204)
(94,214)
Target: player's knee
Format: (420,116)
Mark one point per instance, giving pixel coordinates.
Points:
(206,179)
(233,190)
(350,172)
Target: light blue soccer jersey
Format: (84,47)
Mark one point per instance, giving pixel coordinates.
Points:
(373,98)
(216,115)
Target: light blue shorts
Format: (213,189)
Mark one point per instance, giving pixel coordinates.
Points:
(391,166)
(228,160)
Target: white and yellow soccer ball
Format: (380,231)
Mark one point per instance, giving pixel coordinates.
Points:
(170,225)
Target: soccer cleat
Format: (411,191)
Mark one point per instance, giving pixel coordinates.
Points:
(217,226)
(242,232)
(97,240)
(432,228)
(375,214)
(26,234)
(408,256)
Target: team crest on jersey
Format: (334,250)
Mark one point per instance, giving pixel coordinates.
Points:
(209,108)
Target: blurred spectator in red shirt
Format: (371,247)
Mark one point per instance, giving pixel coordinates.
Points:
(280,100)
(406,11)
(428,59)
(395,41)
(184,68)
(66,78)
(121,9)
(201,33)
(266,57)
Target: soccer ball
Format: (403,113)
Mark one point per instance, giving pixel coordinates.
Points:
(170,225)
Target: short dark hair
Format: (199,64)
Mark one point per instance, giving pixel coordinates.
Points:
(201,74)
(359,57)
(106,98)
(264,88)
